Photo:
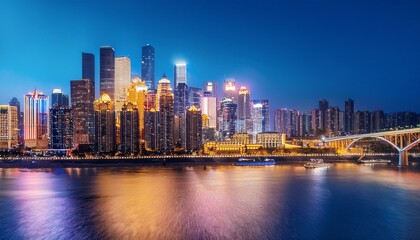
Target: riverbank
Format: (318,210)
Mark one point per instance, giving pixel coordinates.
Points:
(123,162)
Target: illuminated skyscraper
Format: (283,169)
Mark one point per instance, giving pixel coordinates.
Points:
(210,88)
(36,120)
(229,89)
(15,102)
(193,129)
(129,120)
(88,72)
(244,123)
(227,118)
(281,120)
(137,95)
(105,135)
(180,74)
(195,95)
(257,120)
(151,136)
(122,81)
(180,89)
(107,71)
(304,125)
(148,66)
(8,126)
(209,107)
(165,107)
(58,99)
(83,114)
(61,127)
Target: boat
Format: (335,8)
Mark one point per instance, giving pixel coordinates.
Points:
(373,161)
(255,162)
(317,163)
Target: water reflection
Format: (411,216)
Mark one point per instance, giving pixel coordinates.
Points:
(222,202)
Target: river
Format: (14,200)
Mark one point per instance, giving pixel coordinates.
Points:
(346,201)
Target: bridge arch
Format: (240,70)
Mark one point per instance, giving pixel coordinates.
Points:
(381,138)
(411,145)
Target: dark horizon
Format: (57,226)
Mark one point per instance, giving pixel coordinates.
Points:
(291,53)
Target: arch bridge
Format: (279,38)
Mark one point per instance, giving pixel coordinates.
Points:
(401,140)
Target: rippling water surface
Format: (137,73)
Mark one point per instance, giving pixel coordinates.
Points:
(347,201)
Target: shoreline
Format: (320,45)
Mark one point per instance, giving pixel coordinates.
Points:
(198,161)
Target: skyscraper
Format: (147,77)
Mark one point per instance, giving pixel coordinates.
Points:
(88,72)
(193,129)
(209,107)
(265,111)
(137,95)
(83,114)
(210,88)
(348,116)
(122,81)
(151,122)
(166,116)
(244,123)
(227,118)
(105,135)
(281,120)
(129,120)
(323,106)
(257,120)
(180,74)
(36,120)
(9,132)
(61,127)
(15,102)
(229,89)
(195,95)
(58,99)
(107,71)
(148,66)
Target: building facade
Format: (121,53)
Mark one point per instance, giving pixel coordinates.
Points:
(193,129)
(83,112)
(9,122)
(36,120)
(105,135)
(148,66)
(61,127)
(107,71)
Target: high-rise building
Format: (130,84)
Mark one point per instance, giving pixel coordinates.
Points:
(348,116)
(194,97)
(148,66)
(209,108)
(304,125)
(180,74)
(281,120)
(105,135)
(58,99)
(257,120)
(61,127)
(137,95)
(151,122)
(9,132)
(333,122)
(122,81)
(227,118)
(229,89)
(265,115)
(36,120)
(107,71)
(193,129)
(88,72)
(181,95)
(210,88)
(83,113)
(323,106)
(129,120)
(377,121)
(166,116)
(244,122)
(15,102)
(316,121)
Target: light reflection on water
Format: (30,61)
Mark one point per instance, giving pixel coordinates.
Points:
(346,201)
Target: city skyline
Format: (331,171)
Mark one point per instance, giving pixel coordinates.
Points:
(336,60)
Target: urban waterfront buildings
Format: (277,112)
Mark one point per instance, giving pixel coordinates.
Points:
(36,120)
(15,102)
(83,112)
(166,114)
(148,66)
(107,71)
(227,118)
(129,129)
(244,122)
(88,72)
(209,107)
(229,89)
(348,116)
(61,127)
(9,122)
(193,129)
(122,81)
(105,135)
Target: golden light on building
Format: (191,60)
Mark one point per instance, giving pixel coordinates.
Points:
(205,120)
(137,95)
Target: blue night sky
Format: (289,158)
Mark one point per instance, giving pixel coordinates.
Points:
(290,52)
